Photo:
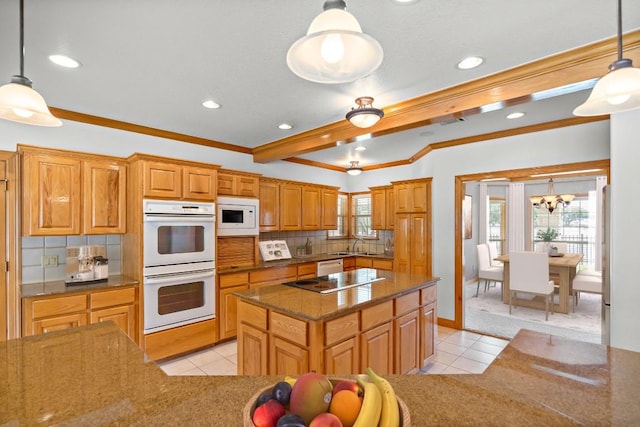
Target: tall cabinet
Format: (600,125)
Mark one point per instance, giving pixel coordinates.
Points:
(413,245)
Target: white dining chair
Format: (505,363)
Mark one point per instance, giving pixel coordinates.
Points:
(493,254)
(529,273)
(487,272)
(589,281)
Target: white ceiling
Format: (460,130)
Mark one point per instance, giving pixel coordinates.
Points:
(152,62)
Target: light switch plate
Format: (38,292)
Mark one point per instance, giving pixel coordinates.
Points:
(50,261)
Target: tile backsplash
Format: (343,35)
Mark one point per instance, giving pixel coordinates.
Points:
(34,248)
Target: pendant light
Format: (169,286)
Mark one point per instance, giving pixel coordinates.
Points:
(551,200)
(18,101)
(354,169)
(618,90)
(364,115)
(334,50)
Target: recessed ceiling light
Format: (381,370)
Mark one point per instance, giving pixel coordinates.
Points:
(284,126)
(515,115)
(470,62)
(360,148)
(404,1)
(211,104)
(64,61)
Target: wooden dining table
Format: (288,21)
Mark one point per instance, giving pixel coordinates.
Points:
(562,268)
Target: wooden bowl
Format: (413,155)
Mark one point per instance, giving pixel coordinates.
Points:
(247,411)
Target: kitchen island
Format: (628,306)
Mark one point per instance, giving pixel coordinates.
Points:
(95,375)
(386,322)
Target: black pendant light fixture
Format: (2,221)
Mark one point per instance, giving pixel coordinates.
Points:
(18,101)
(364,115)
(354,169)
(618,90)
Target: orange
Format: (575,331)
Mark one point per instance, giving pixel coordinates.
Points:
(345,405)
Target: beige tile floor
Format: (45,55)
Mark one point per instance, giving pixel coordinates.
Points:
(458,352)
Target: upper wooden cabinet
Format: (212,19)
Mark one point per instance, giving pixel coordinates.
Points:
(290,206)
(165,178)
(269,205)
(411,196)
(235,183)
(66,193)
(311,208)
(329,209)
(383,210)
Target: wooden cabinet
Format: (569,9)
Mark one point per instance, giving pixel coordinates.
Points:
(376,349)
(311,205)
(169,179)
(342,358)
(228,303)
(329,209)
(371,262)
(308,270)
(42,314)
(269,205)
(285,357)
(428,325)
(412,196)
(349,263)
(290,207)
(253,350)
(236,183)
(198,183)
(407,345)
(66,193)
(382,207)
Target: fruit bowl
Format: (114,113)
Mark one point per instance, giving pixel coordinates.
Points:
(247,412)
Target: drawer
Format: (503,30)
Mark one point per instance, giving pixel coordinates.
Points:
(428,295)
(307,269)
(340,329)
(291,329)
(382,264)
(234,279)
(376,315)
(282,274)
(111,298)
(363,262)
(253,315)
(406,303)
(58,306)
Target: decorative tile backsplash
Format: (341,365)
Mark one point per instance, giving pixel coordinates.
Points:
(34,248)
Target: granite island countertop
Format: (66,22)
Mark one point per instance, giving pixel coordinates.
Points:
(95,375)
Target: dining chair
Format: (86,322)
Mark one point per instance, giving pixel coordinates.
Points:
(486,271)
(529,273)
(589,281)
(493,254)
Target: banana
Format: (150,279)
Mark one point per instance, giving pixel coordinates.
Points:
(371,405)
(290,380)
(390,414)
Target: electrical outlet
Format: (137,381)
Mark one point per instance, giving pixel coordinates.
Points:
(50,261)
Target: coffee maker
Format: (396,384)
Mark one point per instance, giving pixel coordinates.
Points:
(86,264)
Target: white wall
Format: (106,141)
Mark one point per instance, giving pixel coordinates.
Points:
(625,230)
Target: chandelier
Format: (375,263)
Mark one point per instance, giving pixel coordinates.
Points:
(551,200)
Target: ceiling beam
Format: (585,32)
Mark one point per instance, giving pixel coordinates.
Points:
(576,65)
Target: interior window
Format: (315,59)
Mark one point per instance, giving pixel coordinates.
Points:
(343,213)
(361,217)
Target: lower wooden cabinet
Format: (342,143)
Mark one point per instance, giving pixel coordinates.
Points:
(253,350)
(428,334)
(47,313)
(407,345)
(376,349)
(342,358)
(286,357)
(228,313)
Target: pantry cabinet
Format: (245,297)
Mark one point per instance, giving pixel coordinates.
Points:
(67,193)
(236,183)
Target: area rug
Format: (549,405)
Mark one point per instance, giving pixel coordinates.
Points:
(489,315)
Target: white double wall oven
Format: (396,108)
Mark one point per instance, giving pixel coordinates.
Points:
(179,263)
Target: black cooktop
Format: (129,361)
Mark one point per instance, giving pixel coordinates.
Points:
(338,281)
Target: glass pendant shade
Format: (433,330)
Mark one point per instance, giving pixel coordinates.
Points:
(617,91)
(20,103)
(364,115)
(334,50)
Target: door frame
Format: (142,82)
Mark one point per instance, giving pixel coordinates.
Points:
(10,323)
(524,174)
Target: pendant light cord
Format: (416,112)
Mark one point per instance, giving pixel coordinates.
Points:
(21,38)
(619,29)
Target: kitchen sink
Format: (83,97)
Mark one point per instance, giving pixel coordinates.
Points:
(353,253)
(340,253)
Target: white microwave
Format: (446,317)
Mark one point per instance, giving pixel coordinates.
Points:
(238,216)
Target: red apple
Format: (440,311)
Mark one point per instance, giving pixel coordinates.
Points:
(326,419)
(348,385)
(267,414)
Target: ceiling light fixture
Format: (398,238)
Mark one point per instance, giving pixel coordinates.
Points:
(551,200)
(360,148)
(213,105)
(616,91)
(284,126)
(18,101)
(364,115)
(334,50)
(470,62)
(354,169)
(64,61)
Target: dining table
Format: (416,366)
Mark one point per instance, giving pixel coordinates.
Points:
(562,270)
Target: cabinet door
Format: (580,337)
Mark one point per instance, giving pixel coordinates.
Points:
(56,323)
(287,358)
(199,183)
(290,207)
(363,262)
(329,209)
(349,263)
(51,191)
(402,248)
(252,351)
(123,316)
(247,186)
(104,197)
(402,198)
(418,244)
(406,348)
(376,349)
(378,209)
(311,207)
(342,358)
(226,184)
(418,197)
(228,315)
(390,216)
(162,180)
(269,206)
(428,334)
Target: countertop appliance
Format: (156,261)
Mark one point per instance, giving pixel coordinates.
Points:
(338,281)
(238,216)
(330,266)
(85,263)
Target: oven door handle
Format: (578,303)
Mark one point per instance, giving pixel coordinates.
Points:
(181,218)
(171,277)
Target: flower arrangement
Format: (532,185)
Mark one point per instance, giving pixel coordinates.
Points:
(547,235)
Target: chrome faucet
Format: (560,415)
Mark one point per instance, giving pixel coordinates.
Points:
(353,248)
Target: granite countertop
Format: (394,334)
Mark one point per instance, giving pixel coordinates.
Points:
(310,305)
(95,375)
(299,260)
(58,287)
